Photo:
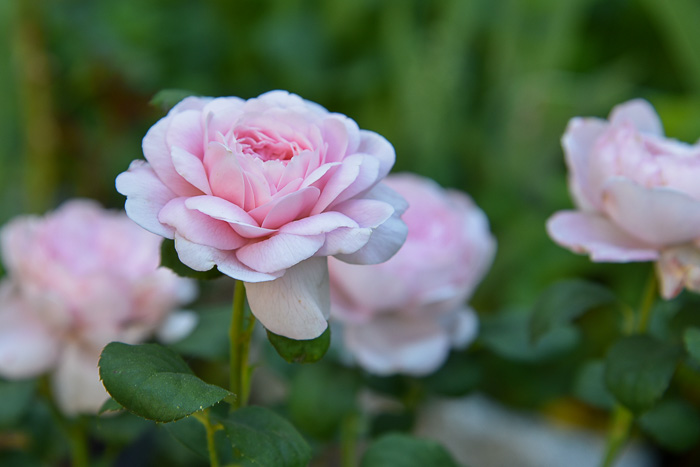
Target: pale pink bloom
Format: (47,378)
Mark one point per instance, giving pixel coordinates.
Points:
(637,194)
(265,189)
(404,315)
(79,278)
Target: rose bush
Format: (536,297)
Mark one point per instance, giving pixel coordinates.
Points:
(404,315)
(637,194)
(78,279)
(264,189)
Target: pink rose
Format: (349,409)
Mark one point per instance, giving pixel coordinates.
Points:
(264,189)
(79,278)
(403,316)
(637,193)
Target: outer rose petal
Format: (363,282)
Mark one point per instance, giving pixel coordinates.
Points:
(658,216)
(578,142)
(297,305)
(146,196)
(678,268)
(391,344)
(590,233)
(279,252)
(76,382)
(640,113)
(375,144)
(27,347)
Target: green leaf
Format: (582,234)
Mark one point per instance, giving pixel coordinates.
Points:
(110,405)
(15,399)
(320,397)
(638,369)
(261,437)
(190,433)
(167,98)
(170,259)
(154,382)
(301,351)
(691,339)
(563,302)
(589,385)
(209,340)
(674,424)
(399,450)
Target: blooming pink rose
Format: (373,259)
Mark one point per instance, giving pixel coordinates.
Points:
(637,193)
(403,316)
(78,279)
(264,189)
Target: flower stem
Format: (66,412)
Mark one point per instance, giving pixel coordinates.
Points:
(240,334)
(622,419)
(203,418)
(348,440)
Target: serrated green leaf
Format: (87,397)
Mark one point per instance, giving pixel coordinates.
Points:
(320,397)
(15,398)
(154,382)
(674,424)
(170,259)
(259,437)
(638,369)
(564,301)
(399,450)
(110,405)
(691,340)
(301,351)
(167,98)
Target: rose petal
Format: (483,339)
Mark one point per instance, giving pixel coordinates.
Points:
(198,227)
(279,252)
(291,207)
(593,234)
(191,169)
(366,212)
(658,216)
(297,304)
(382,245)
(390,345)
(186,131)
(76,382)
(203,258)
(578,142)
(678,268)
(27,347)
(341,178)
(376,145)
(640,113)
(318,224)
(345,240)
(226,177)
(145,197)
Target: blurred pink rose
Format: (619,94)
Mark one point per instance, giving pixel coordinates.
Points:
(264,189)
(79,278)
(637,193)
(403,316)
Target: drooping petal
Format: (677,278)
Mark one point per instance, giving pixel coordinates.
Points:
(198,227)
(601,239)
(146,196)
(659,216)
(297,304)
(640,113)
(678,268)
(279,252)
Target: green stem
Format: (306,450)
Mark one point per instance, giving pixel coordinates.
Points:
(348,440)
(239,335)
(210,429)
(617,437)
(622,419)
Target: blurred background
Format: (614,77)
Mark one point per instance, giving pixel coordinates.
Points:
(473,93)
